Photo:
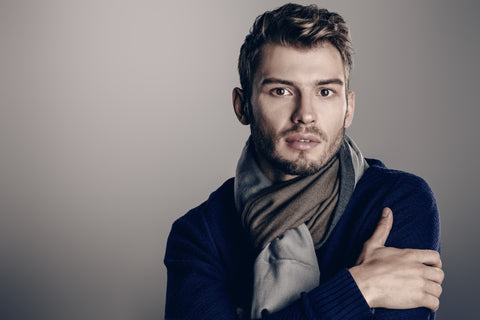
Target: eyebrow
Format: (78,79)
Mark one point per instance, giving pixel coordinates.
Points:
(336,81)
(330,81)
(275,80)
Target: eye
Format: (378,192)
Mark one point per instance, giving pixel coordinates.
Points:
(280,92)
(325,92)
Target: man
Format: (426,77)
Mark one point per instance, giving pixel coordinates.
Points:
(308,228)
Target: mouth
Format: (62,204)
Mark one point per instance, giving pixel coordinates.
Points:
(302,142)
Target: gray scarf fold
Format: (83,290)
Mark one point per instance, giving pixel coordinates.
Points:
(287,221)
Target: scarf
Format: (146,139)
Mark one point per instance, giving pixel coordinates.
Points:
(287,205)
(287,221)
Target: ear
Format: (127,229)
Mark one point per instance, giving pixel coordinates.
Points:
(239,106)
(350,109)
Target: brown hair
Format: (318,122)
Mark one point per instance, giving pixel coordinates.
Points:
(293,25)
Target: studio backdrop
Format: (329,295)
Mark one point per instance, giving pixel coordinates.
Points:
(116,119)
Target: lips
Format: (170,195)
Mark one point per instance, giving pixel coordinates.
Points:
(302,142)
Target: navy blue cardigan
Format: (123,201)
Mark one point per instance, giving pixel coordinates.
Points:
(209,257)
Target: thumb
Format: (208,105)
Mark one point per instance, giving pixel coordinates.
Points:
(380,235)
(384,226)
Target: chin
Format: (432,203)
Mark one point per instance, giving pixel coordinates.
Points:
(299,165)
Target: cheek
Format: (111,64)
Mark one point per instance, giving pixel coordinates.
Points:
(265,127)
(269,122)
(332,117)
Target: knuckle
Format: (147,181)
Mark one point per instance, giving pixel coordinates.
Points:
(435,274)
(440,290)
(434,254)
(410,254)
(441,275)
(430,301)
(436,257)
(435,304)
(435,290)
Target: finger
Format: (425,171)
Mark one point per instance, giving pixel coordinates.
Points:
(384,226)
(433,288)
(431,302)
(433,274)
(427,257)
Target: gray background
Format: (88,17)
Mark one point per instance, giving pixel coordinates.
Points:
(115,119)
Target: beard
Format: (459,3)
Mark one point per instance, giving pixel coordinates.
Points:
(301,166)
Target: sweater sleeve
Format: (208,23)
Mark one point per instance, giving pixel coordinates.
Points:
(415,225)
(338,298)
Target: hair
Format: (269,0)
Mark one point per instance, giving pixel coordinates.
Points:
(296,26)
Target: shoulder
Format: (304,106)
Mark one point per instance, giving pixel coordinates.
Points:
(415,212)
(211,236)
(219,204)
(210,227)
(394,182)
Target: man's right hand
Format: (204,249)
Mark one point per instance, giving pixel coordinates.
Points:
(397,278)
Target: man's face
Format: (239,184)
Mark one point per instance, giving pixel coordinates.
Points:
(299,109)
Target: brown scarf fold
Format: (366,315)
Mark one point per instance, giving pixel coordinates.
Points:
(310,200)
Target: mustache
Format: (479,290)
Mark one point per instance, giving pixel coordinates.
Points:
(302,129)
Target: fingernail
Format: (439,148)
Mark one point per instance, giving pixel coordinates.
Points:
(385,213)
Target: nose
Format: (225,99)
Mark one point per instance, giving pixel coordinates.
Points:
(304,112)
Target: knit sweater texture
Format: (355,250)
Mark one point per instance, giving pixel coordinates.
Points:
(209,257)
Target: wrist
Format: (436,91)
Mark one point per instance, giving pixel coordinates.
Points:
(363,284)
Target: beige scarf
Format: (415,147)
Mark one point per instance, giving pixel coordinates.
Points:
(283,206)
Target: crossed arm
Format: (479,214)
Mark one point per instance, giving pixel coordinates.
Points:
(387,277)
(397,278)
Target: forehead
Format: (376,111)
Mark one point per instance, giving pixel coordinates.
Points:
(302,65)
